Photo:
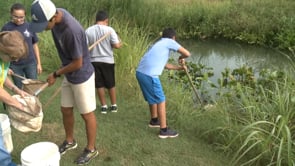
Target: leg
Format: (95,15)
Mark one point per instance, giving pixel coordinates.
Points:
(153,111)
(154,122)
(68,122)
(112,93)
(90,124)
(90,151)
(101,96)
(30,71)
(86,104)
(161,109)
(164,131)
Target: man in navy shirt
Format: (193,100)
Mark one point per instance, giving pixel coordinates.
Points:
(78,87)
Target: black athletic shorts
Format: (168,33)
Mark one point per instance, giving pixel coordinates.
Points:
(104,75)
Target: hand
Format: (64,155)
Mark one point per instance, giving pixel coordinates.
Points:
(39,69)
(10,72)
(181,61)
(21,92)
(51,79)
(19,105)
(22,107)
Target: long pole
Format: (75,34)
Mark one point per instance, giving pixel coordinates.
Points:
(19,76)
(192,85)
(98,41)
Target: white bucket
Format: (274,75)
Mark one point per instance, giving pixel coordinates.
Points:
(6,132)
(40,154)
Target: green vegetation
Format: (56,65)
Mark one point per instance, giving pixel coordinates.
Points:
(265,22)
(251,121)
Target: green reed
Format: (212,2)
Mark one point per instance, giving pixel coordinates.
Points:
(260,124)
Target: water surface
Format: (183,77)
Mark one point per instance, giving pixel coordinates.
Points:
(221,54)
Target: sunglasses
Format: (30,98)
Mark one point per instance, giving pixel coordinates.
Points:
(14,17)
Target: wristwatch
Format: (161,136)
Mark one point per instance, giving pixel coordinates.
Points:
(55,75)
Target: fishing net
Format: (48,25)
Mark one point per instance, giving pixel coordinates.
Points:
(32,86)
(31,118)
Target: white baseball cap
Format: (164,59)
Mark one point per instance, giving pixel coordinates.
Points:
(41,11)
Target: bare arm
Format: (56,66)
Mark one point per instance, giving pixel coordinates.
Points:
(37,54)
(10,85)
(7,98)
(71,67)
(173,67)
(117,45)
(184,53)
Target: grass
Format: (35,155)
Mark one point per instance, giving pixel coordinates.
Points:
(123,138)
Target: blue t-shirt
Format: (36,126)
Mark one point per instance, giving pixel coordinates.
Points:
(155,59)
(70,40)
(30,37)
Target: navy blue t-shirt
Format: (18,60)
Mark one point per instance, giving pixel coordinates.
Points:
(70,40)
(30,37)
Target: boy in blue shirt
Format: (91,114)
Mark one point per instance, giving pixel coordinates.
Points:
(148,71)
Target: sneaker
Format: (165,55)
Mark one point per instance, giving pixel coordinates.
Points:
(65,146)
(168,134)
(153,124)
(86,156)
(113,108)
(104,110)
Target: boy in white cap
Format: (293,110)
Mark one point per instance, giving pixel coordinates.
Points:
(12,48)
(78,84)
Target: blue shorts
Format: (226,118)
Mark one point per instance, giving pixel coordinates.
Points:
(151,88)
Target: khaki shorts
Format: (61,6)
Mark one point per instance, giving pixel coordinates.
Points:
(80,95)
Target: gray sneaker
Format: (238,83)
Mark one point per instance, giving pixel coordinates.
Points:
(104,110)
(153,124)
(65,146)
(168,134)
(86,156)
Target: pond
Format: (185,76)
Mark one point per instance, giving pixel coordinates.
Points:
(221,54)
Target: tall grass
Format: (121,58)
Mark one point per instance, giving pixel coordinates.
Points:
(258,128)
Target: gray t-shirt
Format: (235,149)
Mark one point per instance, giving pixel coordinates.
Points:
(102,52)
(70,41)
